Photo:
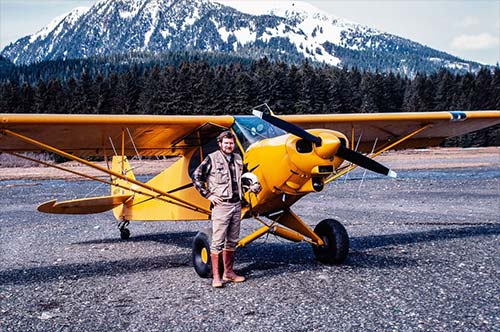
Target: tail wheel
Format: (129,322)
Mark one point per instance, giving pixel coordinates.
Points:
(336,247)
(201,255)
(124,231)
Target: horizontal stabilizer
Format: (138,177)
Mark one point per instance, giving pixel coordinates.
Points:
(84,206)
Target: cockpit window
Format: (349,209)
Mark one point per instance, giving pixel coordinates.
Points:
(251,129)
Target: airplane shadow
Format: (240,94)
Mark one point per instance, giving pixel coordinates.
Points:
(108,268)
(277,258)
(181,239)
(372,242)
(93,269)
(258,260)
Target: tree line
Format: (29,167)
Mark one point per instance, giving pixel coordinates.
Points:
(197,87)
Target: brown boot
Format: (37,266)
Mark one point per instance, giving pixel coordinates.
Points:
(216,282)
(229,275)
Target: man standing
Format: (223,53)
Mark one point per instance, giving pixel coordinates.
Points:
(218,179)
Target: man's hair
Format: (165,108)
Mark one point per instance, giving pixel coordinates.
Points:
(225,134)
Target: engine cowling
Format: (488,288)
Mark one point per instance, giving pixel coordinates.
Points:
(295,166)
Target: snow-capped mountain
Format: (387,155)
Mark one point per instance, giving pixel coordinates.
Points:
(293,34)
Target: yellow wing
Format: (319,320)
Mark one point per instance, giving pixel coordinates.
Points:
(425,129)
(97,135)
(85,135)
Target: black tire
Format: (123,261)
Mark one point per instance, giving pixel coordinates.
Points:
(124,233)
(201,255)
(336,240)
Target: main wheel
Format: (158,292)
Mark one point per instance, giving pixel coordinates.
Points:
(336,246)
(201,255)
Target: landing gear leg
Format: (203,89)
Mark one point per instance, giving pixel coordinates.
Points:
(124,231)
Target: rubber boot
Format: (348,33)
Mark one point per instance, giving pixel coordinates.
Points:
(229,275)
(216,282)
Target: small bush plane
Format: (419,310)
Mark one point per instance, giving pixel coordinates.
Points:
(291,155)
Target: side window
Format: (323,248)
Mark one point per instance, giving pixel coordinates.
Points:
(196,158)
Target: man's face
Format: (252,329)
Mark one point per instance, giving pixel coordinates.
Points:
(227,145)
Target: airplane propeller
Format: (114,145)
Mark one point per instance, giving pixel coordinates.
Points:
(341,150)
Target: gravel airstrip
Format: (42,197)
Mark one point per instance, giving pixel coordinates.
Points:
(424,256)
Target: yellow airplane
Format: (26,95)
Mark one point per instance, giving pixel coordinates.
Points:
(291,156)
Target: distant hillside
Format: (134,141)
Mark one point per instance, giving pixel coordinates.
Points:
(112,27)
(106,65)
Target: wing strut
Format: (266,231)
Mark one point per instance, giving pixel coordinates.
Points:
(364,173)
(172,199)
(382,150)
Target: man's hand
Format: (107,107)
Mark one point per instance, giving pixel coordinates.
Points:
(215,200)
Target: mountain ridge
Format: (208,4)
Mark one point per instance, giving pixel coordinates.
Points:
(123,26)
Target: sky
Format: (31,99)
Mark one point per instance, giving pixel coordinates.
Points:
(469,29)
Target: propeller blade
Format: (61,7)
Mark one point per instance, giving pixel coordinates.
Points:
(364,161)
(343,152)
(288,127)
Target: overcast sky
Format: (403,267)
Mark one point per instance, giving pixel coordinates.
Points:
(469,29)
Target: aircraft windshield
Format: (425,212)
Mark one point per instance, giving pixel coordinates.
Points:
(251,129)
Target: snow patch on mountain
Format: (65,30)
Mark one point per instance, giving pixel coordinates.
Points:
(129,9)
(245,35)
(56,25)
(193,17)
(259,7)
(154,10)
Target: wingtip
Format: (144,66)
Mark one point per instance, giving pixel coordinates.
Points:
(392,174)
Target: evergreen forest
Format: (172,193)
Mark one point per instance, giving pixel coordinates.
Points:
(199,86)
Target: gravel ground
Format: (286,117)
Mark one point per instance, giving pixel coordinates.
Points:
(424,257)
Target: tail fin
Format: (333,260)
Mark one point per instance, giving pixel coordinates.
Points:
(121,165)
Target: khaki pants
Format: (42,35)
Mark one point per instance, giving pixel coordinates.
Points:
(226,219)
